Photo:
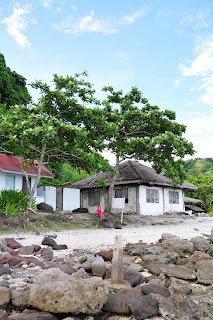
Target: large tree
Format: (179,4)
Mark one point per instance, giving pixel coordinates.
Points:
(53,130)
(145,132)
(13,88)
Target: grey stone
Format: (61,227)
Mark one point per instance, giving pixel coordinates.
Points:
(132,276)
(60,247)
(4,269)
(201,244)
(47,253)
(143,307)
(177,244)
(155,288)
(3,247)
(20,296)
(63,294)
(4,297)
(180,272)
(205,271)
(117,301)
(99,267)
(49,242)
(45,207)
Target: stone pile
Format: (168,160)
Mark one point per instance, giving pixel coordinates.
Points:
(172,279)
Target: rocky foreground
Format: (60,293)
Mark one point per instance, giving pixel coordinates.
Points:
(172,279)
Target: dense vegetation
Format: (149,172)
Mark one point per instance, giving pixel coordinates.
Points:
(13,88)
(200,172)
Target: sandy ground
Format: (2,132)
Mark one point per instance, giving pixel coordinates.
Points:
(102,239)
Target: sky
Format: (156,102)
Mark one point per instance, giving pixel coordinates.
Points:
(163,47)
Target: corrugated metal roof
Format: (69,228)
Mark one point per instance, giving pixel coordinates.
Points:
(132,172)
(10,163)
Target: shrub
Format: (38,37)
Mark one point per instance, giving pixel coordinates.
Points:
(14,201)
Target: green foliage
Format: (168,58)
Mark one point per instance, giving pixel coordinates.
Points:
(13,88)
(13,201)
(205,189)
(197,166)
(145,132)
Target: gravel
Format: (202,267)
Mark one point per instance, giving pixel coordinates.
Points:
(102,239)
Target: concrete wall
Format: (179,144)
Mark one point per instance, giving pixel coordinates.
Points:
(150,208)
(71,199)
(163,205)
(131,206)
(174,207)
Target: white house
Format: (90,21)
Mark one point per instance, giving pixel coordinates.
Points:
(145,191)
(12,177)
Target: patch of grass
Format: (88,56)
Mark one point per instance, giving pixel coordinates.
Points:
(29,227)
(47,223)
(170,222)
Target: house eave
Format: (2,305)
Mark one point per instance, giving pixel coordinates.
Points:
(21,173)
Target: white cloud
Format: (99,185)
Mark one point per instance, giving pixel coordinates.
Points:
(47,3)
(90,23)
(197,19)
(74,8)
(177,83)
(131,18)
(202,67)
(18,22)
(200,133)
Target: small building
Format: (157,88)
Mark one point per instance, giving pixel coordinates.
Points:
(145,191)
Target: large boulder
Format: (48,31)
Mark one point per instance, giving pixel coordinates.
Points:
(155,288)
(132,276)
(99,267)
(180,272)
(48,241)
(143,307)
(12,243)
(4,297)
(54,291)
(45,207)
(20,296)
(117,301)
(174,243)
(205,272)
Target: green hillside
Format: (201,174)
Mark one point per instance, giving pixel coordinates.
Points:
(198,165)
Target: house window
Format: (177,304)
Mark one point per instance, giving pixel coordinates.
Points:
(173,197)
(152,196)
(94,198)
(122,193)
(9,182)
(24,184)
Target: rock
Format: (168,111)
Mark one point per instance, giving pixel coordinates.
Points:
(117,302)
(33,315)
(107,224)
(143,307)
(37,248)
(81,210)
(47,253)
(135,249)
(106,255)
(187,307)
(3,247)
(180,272)
(26,250)
(102,315)
(132,276)
(5,284)
(201,244)
(136,267)
(81,273)
(155,288)
(155,267)
(3,315)
(99,267)
(12,243)
(205,272)
(45,207)
(67,269)
(60,247)
(4,297)
(176,244)
(4,270)
(20,296)
(56,292)
(11,260)
(49,242)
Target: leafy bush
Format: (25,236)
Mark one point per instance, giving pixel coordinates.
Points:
(14,201)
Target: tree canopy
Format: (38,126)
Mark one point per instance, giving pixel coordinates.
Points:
(13,88)
(145,132)
(53,129)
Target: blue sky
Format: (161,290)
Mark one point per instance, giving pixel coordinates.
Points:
(163,47)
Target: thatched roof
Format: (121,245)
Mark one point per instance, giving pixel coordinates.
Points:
(192,200)
(131,172)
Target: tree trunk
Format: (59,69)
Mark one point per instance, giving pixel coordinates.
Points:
(111,187)
(32,192)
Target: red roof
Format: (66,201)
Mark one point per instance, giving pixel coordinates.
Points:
(10,163)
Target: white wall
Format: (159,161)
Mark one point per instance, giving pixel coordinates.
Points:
(50,196)
(2,180)
(173,207)
(71,199)
(163,205)
(150,208)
